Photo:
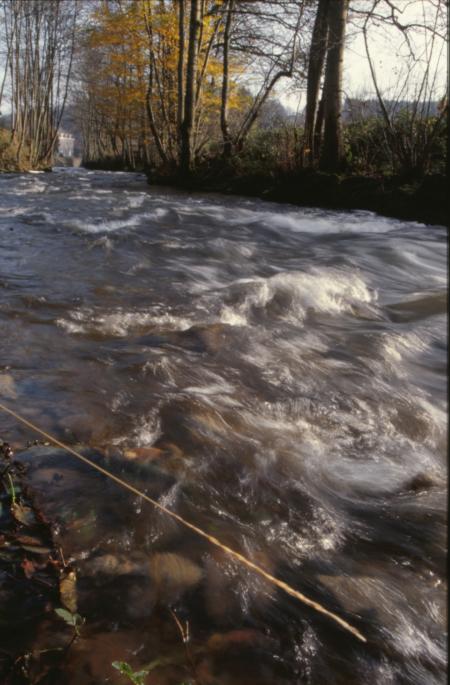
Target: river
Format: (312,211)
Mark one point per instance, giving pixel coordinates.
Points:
(274,374)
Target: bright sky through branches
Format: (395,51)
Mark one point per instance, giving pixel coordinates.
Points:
(394,57)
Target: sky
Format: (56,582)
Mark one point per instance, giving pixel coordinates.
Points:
(390,55)
(389,52)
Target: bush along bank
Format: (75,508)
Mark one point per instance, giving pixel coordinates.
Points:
(424,200)
(15,158)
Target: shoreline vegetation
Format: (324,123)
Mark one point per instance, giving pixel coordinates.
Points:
(12,158)
(176,94)
(37,583)
(422,200)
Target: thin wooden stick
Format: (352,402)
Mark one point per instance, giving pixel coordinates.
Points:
(210,538)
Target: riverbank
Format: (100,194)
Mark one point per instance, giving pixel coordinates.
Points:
(36,585)
(425,201)
(14,160)
(11,159)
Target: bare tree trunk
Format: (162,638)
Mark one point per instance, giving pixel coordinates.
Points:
(227,144)
(332,154)
(317,54)
(9,31)
(186,152)
(181,46)
(149,92)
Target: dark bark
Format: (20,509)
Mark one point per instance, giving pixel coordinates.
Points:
(315,69)
(180,67)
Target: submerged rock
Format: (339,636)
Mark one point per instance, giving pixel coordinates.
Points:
(243,638)
(233,592)
(173,575)
(8,387)
(82,504)
(55,467)
(114,565)
(420,482)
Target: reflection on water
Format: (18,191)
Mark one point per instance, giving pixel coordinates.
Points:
(275,375)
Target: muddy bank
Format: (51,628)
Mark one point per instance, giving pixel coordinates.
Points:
(67,597)
(37,586)
(425,201)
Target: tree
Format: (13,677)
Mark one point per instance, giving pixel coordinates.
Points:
(267,34)
(190,93)
(332,154)
(317,53)
(411,126)
(224,104)
(326,50)
(40,38)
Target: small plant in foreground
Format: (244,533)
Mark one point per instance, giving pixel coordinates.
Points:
(73,620)
(136,677)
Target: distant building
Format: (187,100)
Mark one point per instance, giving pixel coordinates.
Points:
(66,144)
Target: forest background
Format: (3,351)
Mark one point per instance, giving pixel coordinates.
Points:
(236,95)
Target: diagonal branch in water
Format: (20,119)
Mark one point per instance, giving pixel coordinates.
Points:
(210,538)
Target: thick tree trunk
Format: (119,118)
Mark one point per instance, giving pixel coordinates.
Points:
(332,154)
(180,66)
(317,54)
(187,152)
(227,144)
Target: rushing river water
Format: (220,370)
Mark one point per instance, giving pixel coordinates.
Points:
(275,375)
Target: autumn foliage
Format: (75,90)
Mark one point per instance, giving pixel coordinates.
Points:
(135,72)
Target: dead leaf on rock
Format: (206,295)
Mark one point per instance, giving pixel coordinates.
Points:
(144,453)
(23,514)
(68,591)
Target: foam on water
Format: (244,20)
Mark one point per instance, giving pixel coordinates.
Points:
(356,222)
(101,226)
(286,296)
(396,346)
(121,323)
(295,294)
(218,389)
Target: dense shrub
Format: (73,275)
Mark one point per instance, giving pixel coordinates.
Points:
(271,151)
(415,146)
(366,147)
